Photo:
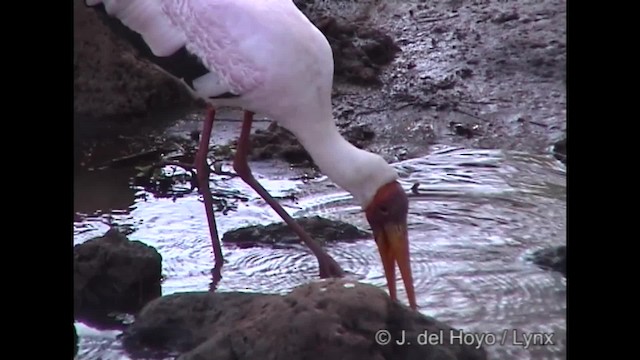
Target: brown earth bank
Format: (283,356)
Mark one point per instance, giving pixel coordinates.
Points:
(554,258)
(479,74)
(112,85)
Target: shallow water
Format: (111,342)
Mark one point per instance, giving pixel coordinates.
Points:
(478,215)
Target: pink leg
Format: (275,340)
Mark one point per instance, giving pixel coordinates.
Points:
(328,266)
(203,170)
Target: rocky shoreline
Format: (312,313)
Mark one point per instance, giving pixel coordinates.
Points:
(322,319)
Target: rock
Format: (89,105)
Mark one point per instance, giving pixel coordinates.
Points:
(180,322)
(328,319)
(110,81)
(560,150)
(552,258)
(114,275)
(319,228)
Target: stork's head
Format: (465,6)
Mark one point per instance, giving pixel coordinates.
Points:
(387,215)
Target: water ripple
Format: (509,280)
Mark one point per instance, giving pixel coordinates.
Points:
(476,217)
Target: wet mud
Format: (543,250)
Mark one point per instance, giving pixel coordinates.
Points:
(360,52)
(474,74)
(276,142)
(320,229)
(272,143)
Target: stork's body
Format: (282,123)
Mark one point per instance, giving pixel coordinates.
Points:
(265,56)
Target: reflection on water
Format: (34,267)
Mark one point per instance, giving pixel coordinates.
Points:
(477,215)
(105,191)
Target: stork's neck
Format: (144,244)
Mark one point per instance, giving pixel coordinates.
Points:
(357,171)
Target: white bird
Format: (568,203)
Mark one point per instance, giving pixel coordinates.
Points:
(266,56)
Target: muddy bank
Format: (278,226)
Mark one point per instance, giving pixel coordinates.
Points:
(116,87)
(320,229)
(276,142)
(272,142)
(490,66)
(111,83)
(113,275)
(471,74)
(360,50)
(322,320)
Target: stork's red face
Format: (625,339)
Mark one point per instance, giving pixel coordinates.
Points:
(387,215)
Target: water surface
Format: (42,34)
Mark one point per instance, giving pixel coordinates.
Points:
(478,215)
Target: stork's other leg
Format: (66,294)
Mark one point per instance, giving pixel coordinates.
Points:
(203,170)
(328,266)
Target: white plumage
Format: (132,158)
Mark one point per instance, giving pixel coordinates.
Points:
(265,56)
(271,55)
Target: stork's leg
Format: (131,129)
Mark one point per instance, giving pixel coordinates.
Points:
(328,266)
(203,170)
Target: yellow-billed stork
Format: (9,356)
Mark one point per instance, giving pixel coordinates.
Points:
(266,56)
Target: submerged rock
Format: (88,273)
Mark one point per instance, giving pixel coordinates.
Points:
(552,258)
(114,275)
(560,150)
(328,319)
(319,228)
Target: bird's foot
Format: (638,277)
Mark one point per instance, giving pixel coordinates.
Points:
(329,268)
(216,276)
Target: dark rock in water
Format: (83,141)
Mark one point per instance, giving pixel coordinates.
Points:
(553,258)
(320,229)
(75,341)
(359,51)
(327,319)
(114,275)
(560,150)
